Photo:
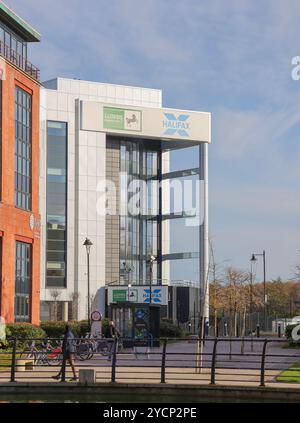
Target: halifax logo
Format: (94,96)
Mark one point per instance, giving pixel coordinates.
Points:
(156,295)
(176,125)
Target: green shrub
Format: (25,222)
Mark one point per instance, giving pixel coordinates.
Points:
(57,329)
(54,329)
(79,329)
(169,330)
(23,331)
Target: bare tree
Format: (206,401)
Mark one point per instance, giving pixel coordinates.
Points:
(235,296)
(215,288)
(55,294)
(74,298)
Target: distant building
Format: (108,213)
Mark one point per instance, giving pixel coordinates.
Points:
(91,132)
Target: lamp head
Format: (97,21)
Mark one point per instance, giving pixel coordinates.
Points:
(88,243)
(253,258)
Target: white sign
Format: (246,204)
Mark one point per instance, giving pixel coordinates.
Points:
(166,124)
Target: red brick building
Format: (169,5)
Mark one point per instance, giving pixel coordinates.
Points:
(19,170)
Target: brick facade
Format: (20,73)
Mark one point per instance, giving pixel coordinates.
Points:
(17,224)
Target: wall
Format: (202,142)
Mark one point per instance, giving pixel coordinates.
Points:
(86,166)
(14,223)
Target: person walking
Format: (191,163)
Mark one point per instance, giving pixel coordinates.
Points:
(113,335)
(68,352)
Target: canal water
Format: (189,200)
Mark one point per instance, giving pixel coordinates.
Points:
(122,399)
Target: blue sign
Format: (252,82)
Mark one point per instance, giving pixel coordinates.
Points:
(176,125)
(140,314)
(156,296)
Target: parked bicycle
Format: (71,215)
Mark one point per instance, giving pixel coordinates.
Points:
(93,345)
(48,354)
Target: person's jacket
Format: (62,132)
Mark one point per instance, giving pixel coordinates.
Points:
(69,343)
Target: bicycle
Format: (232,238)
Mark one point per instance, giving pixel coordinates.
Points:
(90,346)
(49,355)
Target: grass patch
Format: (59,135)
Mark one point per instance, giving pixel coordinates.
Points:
(5,359)
(290,375)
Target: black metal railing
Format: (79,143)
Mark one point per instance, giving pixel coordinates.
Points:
(222,361)
(19,61)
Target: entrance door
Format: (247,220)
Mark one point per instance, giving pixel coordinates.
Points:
(122,316)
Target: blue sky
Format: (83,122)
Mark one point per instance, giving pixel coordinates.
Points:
(232,58)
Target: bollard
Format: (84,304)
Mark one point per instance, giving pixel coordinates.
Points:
(87,376)
(257,331)
(279,331)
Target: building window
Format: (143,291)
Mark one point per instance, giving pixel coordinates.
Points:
(23,147)
(12,46)
(56,251)
(23,282)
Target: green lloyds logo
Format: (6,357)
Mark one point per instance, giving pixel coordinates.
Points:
(119,295)
(122,119)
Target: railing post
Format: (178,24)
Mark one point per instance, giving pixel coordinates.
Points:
(243,346)
(213,363)
(63,367)
(163,363)
(263,364)
(13,361)
(114,361)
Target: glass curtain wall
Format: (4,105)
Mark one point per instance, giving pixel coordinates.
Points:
(56,204)
(139,234)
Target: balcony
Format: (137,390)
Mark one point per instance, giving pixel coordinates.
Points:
(19,61)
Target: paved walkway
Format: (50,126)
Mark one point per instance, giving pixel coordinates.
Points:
(233,369)
(150,375)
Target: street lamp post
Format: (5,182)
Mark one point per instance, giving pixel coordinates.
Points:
(127,270)
(254,259)
(128,292)
(151,262)
(88,243)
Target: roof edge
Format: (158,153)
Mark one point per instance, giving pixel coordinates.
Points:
(18,24)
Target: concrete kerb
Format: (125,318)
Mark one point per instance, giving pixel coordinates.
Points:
(183,392)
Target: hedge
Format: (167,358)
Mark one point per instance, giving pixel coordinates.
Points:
(79,329)
(57,329)
(169,330)
(23,331)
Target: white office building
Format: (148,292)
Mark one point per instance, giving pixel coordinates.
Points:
(106,175)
